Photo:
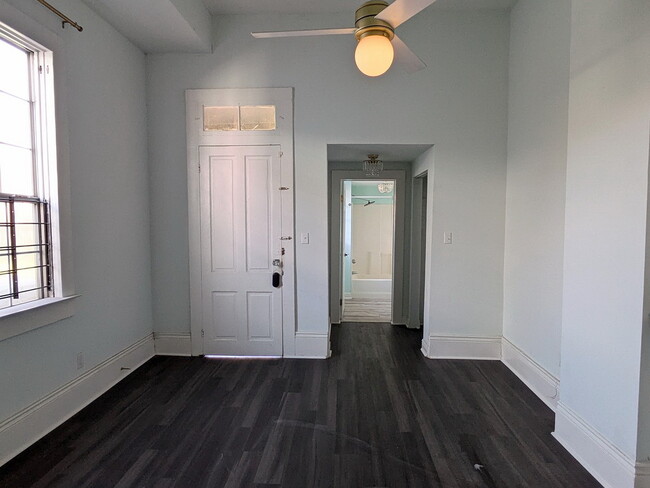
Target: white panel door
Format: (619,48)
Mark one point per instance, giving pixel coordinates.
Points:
(240,238)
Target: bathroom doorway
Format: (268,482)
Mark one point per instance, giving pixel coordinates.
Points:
(368,242)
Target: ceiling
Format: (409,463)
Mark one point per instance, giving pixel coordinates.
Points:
(159,26)
(400,153)
(220,7)
(165,26)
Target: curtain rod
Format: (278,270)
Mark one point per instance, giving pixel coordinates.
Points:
(65,18)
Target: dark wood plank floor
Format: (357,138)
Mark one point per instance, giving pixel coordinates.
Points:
(376,414)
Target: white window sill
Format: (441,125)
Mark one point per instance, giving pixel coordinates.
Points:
(29,316)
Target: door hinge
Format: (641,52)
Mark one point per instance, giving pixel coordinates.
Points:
(199,167)
(280,154)
(340,301)
(341,198)
(202,333)
(40,69)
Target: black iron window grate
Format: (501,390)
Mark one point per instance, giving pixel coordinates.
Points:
(25,250)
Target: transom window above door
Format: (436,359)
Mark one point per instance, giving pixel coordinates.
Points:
(239,118)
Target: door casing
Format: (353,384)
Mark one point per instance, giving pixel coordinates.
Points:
(400,291)
(282,98)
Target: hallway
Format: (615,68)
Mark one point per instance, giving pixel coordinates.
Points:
(376,414)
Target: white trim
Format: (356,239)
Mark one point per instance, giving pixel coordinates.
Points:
(464,347)
(282,98)
(535,377)
(425,348)
(172,344)
(311,345)
(58,191)
(19,319)
(417,263)
(642,474)
(41,417)
(611,467)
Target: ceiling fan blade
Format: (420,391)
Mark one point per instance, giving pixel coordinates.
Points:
(304,33)
(406,58)
(401,10)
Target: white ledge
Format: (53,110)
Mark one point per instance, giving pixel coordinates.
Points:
(33,315)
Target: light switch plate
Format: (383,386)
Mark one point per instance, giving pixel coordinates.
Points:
(304,238)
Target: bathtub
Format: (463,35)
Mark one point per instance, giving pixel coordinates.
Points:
(369,286)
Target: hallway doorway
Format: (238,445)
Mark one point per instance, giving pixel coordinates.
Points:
(347,162)
(367,240)
(369,261)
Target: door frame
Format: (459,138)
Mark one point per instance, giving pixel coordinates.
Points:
(282,98)
(418,249)
(400,290)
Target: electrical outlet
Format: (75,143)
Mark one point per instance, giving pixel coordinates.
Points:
(80,360)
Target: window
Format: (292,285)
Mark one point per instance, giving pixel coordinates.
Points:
(239,118)
(260,117)
(26,153)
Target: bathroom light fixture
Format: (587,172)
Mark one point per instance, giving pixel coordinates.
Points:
(372,166)
(385,187)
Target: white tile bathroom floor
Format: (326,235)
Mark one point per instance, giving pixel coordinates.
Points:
(366,310)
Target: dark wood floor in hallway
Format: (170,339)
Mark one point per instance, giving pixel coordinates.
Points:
(377,414)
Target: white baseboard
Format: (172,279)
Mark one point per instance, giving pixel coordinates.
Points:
(642,474)
(310,345)
(611,467)
(24,428)
(463,347)
(425,348)
(535,377)
(173,344)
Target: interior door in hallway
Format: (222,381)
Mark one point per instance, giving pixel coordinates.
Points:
(241,249)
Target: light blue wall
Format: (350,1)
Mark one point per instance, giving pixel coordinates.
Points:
(106,115)
(605,247)
(459,103)
(537,152)
(365,190)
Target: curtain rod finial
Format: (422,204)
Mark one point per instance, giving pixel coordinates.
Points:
(66,19)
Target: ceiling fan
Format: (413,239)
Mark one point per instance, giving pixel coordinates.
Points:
(375,24)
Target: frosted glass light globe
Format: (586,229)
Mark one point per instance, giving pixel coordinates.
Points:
(374,55)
